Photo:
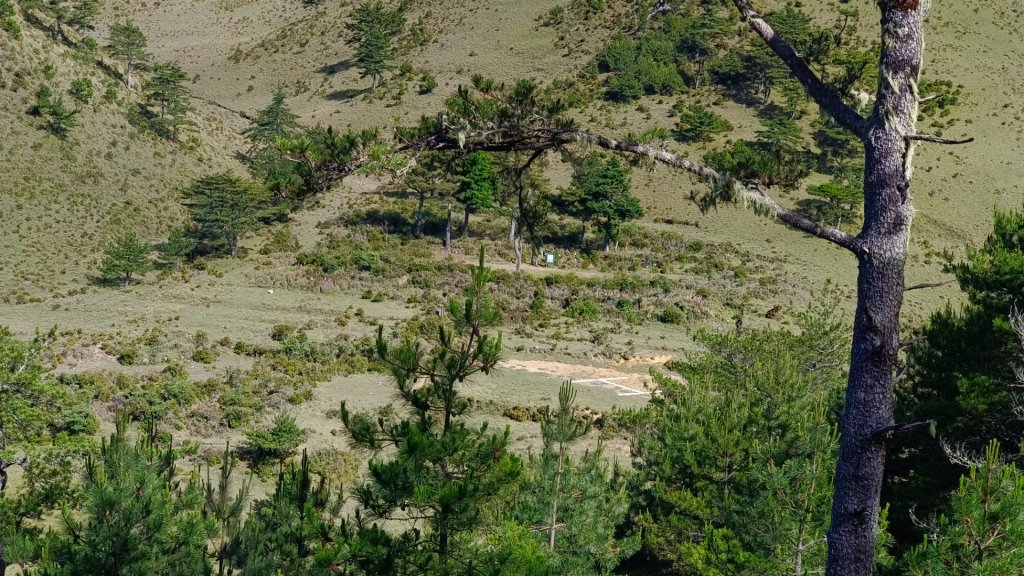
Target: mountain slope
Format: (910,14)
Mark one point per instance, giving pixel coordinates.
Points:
(61,199)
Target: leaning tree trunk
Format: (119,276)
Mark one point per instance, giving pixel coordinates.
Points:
(868,414)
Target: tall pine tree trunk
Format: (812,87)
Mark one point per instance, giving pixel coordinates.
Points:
(868,410)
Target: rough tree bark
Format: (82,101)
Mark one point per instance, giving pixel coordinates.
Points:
(884,237)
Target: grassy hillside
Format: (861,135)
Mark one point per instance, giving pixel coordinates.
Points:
(61,199)
(259,45)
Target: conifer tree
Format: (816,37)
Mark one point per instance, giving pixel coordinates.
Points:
(275,121)
(271,125)
(42,426)
(125,257)
(275,444)
(432,176)
(128,43)
(559,431)
(752,433)
(321,156)
(572,503)
(477,189)
(600,193)
(177,249)
(136,517)
(370,33)
(167,99)
(223,207)
(962,372)
(292,531)
(841,201)
(984,531)
(524,195)
(431,472)
(700,124)
(76,13)
(225,508)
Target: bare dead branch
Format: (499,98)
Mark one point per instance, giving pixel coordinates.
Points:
(889,431)
(1017,322)
(939,140)
(960,455)
(826,96)
(901,376)
(931,98)
(928,285)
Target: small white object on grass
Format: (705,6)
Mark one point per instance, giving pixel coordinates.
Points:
(270,291)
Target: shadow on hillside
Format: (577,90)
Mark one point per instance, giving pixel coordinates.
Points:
(396,222)
(101,281)
(742,95)
(346,94)
(339,66)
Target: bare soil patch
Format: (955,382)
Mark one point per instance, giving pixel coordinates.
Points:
(576,372)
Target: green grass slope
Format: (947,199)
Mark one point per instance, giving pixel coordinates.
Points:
(61,199)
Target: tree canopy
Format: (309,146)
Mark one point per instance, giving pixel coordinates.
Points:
(128,43)
(370,32)
(223,207)
(125,257)
(600,194)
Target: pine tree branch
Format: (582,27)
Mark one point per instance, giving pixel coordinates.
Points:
(889,431)
(939,140)
(755,194)
(928,285)
(931,98)
(826,96)
(545,138)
